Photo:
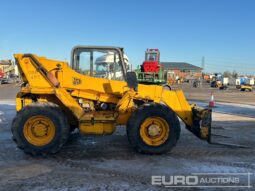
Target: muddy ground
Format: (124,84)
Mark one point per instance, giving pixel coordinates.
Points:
(109,163)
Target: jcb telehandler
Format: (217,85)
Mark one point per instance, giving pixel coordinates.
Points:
(56,98)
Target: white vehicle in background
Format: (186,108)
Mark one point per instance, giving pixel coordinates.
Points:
(107,67)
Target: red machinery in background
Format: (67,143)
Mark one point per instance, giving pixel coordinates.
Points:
(151,63)
(1,74)
(151,71)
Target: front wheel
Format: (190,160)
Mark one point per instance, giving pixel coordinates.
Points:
(153,129)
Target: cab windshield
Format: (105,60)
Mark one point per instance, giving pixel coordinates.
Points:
(151,56)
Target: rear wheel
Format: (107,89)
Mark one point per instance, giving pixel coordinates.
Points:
(153,129)
(40,128)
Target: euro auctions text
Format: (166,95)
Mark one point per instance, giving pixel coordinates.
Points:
(239,180)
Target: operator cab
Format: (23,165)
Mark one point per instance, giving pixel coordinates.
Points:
(100,61)
(152,55)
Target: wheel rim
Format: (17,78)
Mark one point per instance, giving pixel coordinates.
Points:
(154,131)
(39,130)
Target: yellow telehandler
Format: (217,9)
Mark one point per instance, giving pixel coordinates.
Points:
(56,98)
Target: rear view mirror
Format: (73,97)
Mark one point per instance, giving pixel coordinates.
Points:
(132,80)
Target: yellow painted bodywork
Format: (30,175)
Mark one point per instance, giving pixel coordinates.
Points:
(74,86)
(97,128)
(246,87)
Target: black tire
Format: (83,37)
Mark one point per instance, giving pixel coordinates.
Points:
(49,110)
(73,128)
(152,110)
(213,84)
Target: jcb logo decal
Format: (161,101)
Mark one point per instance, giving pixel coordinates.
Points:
(76,81)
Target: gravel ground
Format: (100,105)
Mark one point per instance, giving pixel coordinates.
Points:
(108,162)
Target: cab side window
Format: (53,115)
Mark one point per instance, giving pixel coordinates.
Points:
(99,63)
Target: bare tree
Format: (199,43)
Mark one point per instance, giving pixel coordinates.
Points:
(234,74)
(227,74)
